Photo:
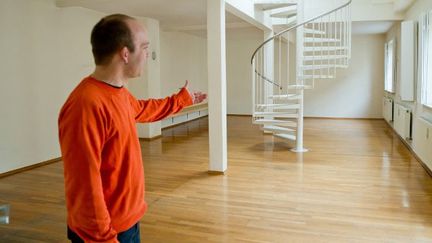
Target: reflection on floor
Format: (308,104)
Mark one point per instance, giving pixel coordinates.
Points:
(358,183)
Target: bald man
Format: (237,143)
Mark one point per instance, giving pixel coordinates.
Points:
(103,167)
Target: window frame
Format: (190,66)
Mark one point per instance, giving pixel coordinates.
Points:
(425,59)
(390,66)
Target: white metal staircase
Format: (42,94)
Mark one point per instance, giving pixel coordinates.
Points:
(317,47)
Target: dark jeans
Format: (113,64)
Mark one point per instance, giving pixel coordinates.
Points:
(131,235)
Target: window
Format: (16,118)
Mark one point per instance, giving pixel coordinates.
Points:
(425,58)
(390,64)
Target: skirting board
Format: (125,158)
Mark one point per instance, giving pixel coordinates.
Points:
(423,164)
(51,161)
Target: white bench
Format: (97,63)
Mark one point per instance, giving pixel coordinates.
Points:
(187,114)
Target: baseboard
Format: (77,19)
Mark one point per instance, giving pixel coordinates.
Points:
(150,139)
(342,118)
(239,115)
(30,167)
(422,163)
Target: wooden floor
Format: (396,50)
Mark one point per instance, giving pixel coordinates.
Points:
(358,183)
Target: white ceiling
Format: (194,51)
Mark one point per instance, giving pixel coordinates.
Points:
(172,14)
(190,15)
(371,27)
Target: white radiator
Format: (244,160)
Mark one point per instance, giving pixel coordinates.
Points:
(422,141)
(388,109)
(402,118)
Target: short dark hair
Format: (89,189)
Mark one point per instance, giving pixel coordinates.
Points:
(109,35)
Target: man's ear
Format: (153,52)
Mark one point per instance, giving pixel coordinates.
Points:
(124,52)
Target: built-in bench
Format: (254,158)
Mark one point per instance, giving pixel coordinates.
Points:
(187,114)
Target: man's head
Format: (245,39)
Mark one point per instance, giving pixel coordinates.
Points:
(120,40)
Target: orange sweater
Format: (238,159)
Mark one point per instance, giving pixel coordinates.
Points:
(103,167)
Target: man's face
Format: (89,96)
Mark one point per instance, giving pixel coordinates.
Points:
(139,57)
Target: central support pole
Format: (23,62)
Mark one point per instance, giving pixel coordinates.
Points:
(300,78)
(217,104)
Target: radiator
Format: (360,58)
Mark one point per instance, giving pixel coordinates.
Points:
(422,141)
(402,121)
(388,109)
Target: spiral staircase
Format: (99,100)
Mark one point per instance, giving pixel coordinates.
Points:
(292,60)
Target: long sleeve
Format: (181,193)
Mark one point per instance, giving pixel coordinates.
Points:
(156,109)
(82,133)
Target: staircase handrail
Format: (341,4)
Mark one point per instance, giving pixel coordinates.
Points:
(296,26)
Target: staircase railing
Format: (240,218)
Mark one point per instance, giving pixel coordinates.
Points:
(323,44)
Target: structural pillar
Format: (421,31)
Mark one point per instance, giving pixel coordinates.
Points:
(216,61)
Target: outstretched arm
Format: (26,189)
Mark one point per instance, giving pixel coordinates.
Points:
(157,109)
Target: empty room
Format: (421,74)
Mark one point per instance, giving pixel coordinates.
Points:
(216,121)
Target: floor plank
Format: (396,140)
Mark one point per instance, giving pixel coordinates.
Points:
(358,183)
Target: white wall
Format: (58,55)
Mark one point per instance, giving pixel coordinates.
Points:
(357,91)
(148,85)
(419,111)
(45,52)
(241,43)
(420,6)
(183,57)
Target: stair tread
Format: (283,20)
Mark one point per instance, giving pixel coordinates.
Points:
(299,86)
(285,136)
(312,67)
(285,14)
(313,31)
(279,129)
(320,40)
(269,5)
(276,114)
(279,106)
(284,95)
(324,57)
(289,97)
(274,122)
(324,48)
(315,76)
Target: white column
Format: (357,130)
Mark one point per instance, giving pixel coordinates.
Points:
(299,72)
(148,85)
(217,85)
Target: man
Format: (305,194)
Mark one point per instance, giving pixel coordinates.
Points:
(104,177)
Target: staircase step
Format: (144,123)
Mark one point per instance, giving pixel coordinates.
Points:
(278,129)
(287,97)
(325,57)
(324,48)
(300,86)
(284,123)
(271,4)
(275,114)
(313,31)
(284,14)
(278,106)
(285,136)
(317,67)
(315,77)
(284,21)
(319,40)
